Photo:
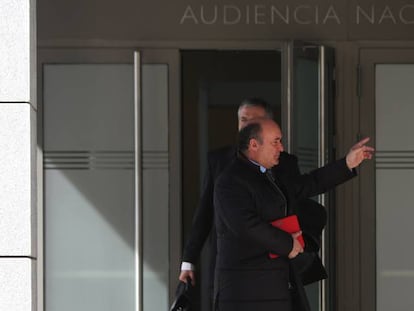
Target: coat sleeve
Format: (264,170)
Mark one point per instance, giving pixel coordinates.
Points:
(237,215)
(322,179)
(288,167)
(292,165)
(202,220)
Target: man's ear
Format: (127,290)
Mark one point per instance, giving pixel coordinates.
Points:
(253,144)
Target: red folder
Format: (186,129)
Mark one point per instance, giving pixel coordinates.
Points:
(290,224)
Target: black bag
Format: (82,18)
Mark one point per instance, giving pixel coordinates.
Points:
(183,295)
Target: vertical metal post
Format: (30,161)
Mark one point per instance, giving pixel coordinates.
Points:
(322,157)
(138,180)
(287,94)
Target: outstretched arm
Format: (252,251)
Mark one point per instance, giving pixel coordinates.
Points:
(332,174)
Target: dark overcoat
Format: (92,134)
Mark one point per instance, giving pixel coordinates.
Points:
(245,202)
(311,215)
(202,228)
(203,220)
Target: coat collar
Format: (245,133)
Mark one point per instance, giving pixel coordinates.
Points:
(253,165)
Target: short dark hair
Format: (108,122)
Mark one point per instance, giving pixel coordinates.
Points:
(257,102)
(250,131)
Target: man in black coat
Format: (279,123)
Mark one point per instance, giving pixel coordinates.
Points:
(247,197)
(203,221)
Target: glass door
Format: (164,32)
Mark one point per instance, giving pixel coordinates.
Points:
(386,256)
(107,156)
(88,161)
(310,138)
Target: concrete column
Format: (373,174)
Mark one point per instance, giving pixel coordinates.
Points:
(18,173)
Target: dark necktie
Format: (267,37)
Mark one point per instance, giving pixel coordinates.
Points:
(272,180)
(270,176)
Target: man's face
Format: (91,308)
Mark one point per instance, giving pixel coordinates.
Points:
(269,150)
(246,114)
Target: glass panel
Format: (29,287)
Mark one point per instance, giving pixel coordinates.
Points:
(306,128)
(306,113)
(155,187)
(394,180)
(89,187)
(89,240)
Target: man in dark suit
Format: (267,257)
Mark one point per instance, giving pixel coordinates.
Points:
(217,160)
(203,221)
(247,197)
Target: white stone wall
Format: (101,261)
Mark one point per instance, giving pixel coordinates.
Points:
(17,155)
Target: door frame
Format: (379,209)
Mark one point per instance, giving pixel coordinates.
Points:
(171,57)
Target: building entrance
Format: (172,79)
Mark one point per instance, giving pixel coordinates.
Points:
(213,85)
